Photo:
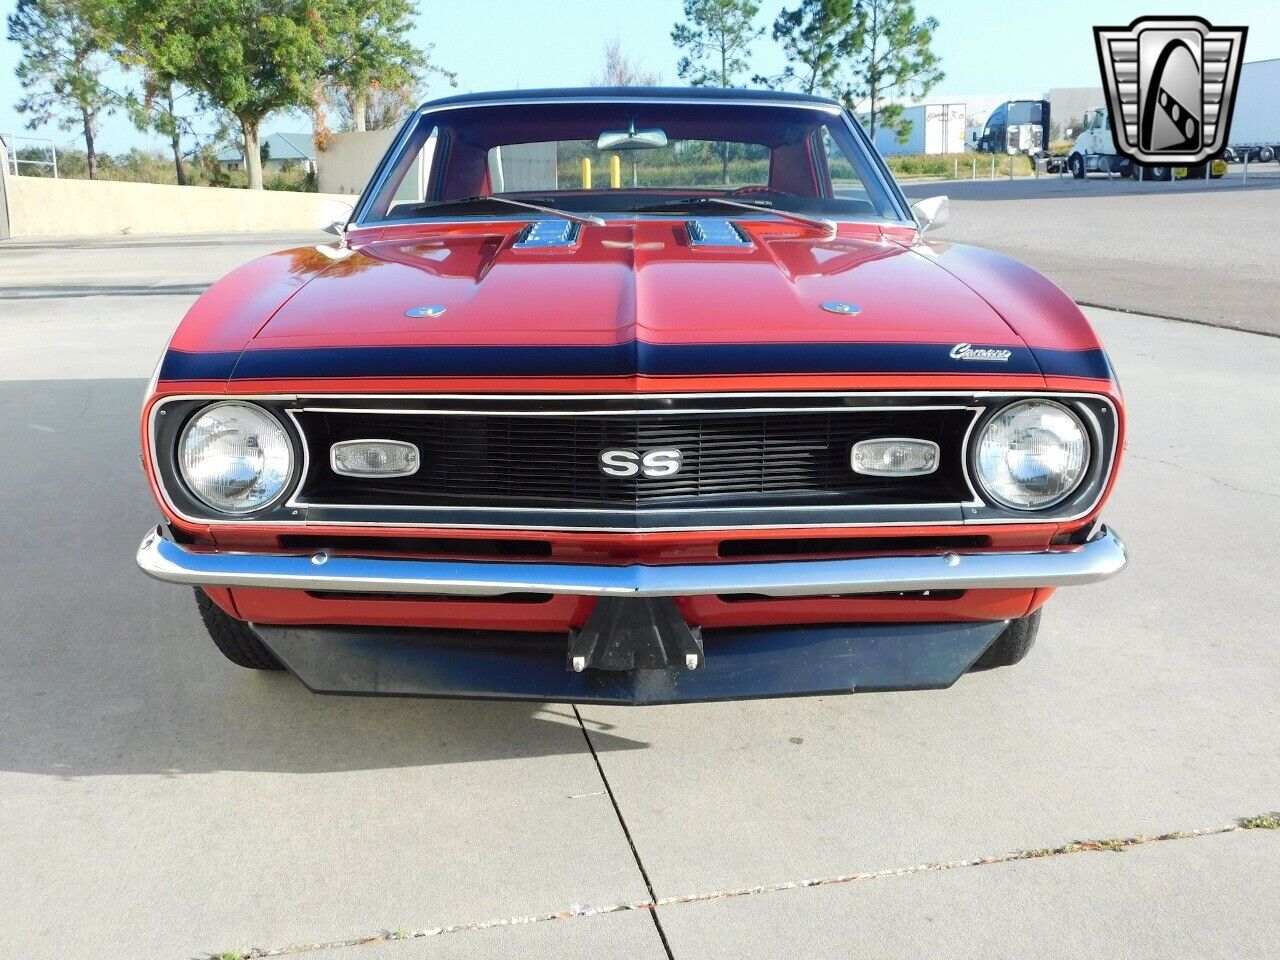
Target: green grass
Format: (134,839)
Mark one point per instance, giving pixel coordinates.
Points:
(956,166)
(1264,821)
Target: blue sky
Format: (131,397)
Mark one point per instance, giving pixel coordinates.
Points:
(986,47)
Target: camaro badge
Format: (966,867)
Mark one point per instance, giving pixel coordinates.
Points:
(967,351)
(1173,81)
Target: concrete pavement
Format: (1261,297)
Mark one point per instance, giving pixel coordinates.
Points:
(1201,251)
(157,802)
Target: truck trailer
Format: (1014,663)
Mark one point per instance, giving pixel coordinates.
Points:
(935,128)
(1255,122)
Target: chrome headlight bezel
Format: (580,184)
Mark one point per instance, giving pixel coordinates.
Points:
(1083,470)
(287,477)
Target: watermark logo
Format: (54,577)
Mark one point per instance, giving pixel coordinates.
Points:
(1171,86)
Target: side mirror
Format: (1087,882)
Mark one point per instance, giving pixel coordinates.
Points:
(932,213)
(334,215)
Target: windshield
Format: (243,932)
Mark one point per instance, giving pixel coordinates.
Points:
(620,157)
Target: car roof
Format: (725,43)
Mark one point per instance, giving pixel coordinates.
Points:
(710,94)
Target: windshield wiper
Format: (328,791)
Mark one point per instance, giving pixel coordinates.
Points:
(537,208)
(692,203)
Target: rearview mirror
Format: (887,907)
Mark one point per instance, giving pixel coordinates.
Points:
(931,213)
(631,139)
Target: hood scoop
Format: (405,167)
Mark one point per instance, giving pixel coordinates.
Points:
(542,234)
(715,232)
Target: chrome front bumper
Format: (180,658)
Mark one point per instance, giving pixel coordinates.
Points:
(1101,557)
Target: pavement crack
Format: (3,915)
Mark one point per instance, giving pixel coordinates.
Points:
(622,821)
(1206,476)
(1266,821)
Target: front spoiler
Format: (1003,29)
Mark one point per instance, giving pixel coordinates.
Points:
(741,664)
(1101,557)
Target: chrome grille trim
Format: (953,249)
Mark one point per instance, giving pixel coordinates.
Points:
(294,514)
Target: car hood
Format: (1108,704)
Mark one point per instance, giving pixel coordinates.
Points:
(633,299)
(466,304)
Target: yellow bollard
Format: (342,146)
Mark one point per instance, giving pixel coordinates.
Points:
(615,171)
(586,173)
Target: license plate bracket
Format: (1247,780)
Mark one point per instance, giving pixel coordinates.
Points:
(629,633)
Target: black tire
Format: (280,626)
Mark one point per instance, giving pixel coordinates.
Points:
(1158,173)
(234,638)
(1012,645)
(1076,165)
(1196,171)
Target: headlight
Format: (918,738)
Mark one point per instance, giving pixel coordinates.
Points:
(1031,455)
(235,457)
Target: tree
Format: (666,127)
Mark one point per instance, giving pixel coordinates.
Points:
(819,38)
(893,59)
(383,107)
(164,105)
(370,53)
(250,58)
(621,71)
(716,38)
(160,108)
(63,56)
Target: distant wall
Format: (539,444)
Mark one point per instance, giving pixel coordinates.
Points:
(348,159)
(45,207)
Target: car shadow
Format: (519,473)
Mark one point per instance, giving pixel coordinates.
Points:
(105,672)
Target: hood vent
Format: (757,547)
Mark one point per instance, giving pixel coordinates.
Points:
(541,234)
(714,232)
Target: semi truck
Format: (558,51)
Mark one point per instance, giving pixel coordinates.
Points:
(1095,152)
(1016,126)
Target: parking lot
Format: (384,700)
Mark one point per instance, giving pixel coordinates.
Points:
(156,802)
(1198,250)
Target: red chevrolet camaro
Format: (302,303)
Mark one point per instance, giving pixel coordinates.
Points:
(631,396)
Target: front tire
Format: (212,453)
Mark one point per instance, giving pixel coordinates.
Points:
(233,637)
(1158,173)
(1012,645)
(1076,165)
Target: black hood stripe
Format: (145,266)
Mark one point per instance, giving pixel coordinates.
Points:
(627,359)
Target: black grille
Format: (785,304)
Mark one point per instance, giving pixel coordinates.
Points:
(729,459)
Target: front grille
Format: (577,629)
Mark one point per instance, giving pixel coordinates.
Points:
(730,459)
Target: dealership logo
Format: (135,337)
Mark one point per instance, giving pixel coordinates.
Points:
(652,463)
(1171,86)
(967,351)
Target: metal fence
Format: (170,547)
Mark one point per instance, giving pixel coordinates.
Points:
(15,163)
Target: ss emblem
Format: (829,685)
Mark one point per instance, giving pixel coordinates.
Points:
(665,462)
